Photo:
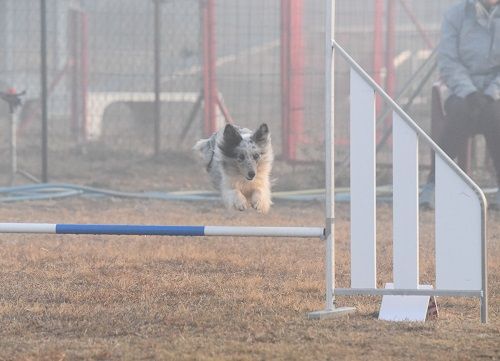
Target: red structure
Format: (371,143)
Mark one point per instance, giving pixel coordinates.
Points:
(378,45)
(292,77)
(209,68)
(390,80)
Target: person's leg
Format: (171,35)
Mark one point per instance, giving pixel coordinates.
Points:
(490,127)
(457,129)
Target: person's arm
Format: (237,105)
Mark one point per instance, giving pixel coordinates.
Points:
(453,73)
(493,90)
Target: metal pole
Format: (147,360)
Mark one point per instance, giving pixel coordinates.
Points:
(43,85)
(13,99)
(330,309)
(8,18)
(157,75)
(13,146)
(72,45)
(84,70)
(162,230)
(330,155)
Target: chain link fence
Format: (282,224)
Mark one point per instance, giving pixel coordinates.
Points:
(105,61)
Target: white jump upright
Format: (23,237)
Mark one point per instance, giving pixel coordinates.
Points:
(460,217)
(330,307)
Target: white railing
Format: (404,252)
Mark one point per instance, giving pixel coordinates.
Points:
(460,216)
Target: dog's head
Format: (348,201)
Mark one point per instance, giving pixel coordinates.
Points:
(242,153)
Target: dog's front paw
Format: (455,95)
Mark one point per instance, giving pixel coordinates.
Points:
(261,202)
(239,202)
(235,200)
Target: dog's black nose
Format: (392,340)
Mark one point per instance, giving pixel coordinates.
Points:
(251,174)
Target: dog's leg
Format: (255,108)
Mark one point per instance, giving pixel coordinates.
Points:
(233,199)
(261,200)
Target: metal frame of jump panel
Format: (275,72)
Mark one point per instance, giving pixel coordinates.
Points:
(460,216)
(460,206)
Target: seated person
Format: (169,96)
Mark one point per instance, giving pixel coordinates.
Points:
(469,65)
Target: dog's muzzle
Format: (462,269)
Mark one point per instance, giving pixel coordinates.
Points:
(251,175)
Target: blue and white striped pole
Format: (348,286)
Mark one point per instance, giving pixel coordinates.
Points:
(156,230)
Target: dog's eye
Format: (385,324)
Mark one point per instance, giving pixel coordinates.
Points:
(256,156)
(241,157)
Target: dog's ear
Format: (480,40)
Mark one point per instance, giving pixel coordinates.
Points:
(261,135)
(231,136)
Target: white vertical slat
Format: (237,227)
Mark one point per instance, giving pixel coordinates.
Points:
(362,148)
(405,205)
(458,232)
(329,153)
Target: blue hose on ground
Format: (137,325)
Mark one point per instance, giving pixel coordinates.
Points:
(46,191)
(62,190)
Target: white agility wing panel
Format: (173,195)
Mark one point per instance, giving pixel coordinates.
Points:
(405,205)
(461,252)
(362,148)
(458,232)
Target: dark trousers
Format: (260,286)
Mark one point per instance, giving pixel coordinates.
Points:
(460,125)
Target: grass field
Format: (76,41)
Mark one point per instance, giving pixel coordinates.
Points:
(149,298)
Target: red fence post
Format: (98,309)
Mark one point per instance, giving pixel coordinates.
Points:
(391,46)
(209,71)
(390,81)
(378,47)
(284,65)
(292,76)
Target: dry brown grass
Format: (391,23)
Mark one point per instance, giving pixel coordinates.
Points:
(117,297)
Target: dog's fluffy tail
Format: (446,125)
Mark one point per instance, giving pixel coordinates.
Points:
(201,145)
(205,149)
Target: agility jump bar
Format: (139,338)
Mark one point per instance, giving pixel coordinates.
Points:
(155,230)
